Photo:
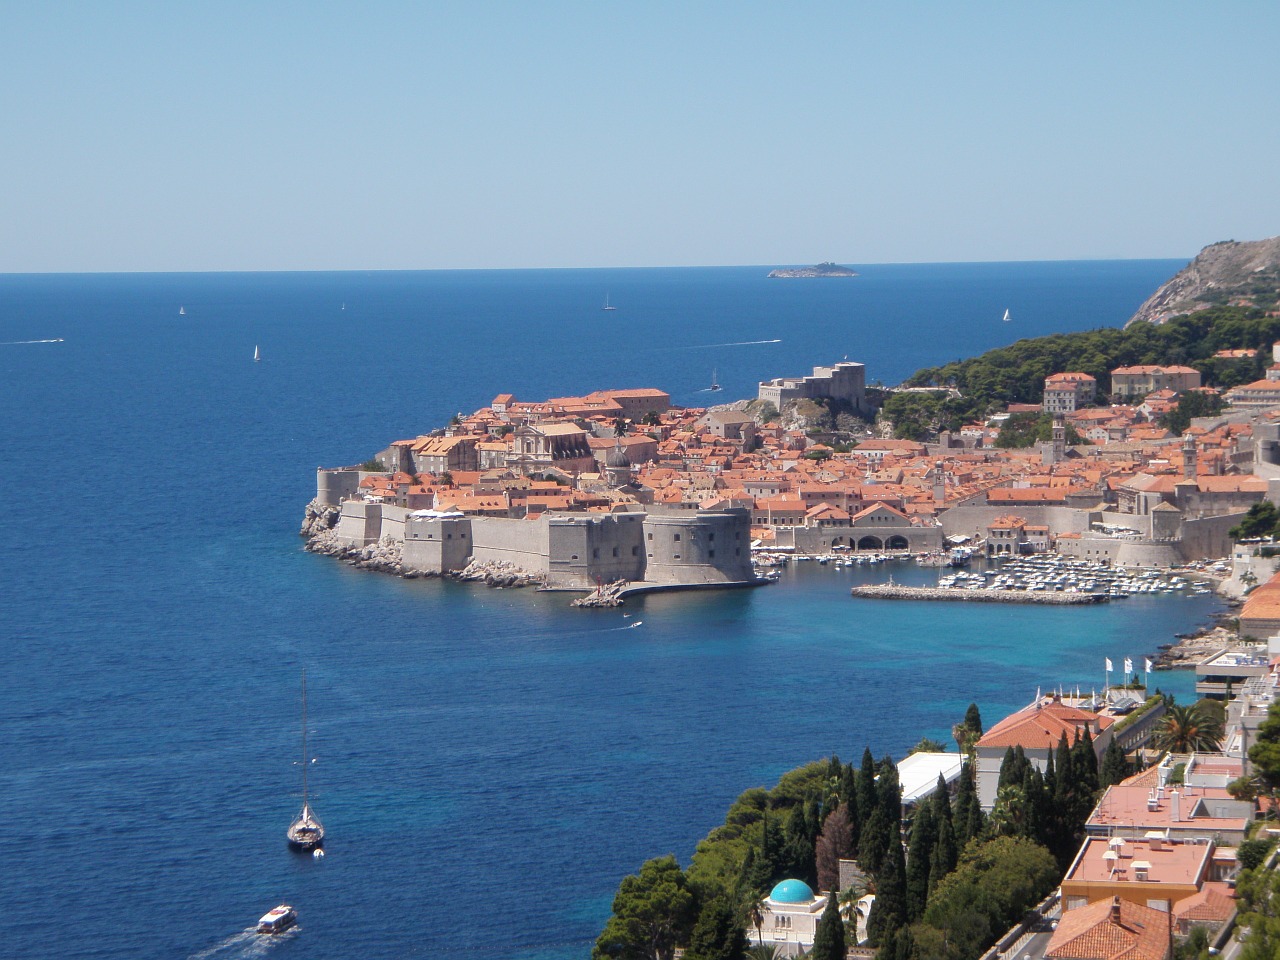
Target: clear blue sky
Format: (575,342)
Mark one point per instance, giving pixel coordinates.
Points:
(274,135)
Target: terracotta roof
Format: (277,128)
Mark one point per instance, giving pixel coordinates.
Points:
(1111,930)
(1042,725)
(1213,904)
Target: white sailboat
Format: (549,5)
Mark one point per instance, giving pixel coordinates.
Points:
(257,354)
(606,304)
(182,311)
(715,384)
(1006,315)
(306,832)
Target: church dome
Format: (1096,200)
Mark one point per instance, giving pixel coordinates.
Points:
(617,458)
(791,891)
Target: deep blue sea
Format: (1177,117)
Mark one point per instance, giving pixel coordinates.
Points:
(489,763)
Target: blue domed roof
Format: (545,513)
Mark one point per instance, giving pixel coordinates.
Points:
(791,891)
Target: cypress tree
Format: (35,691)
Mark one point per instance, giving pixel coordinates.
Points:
(889,790)
(866,784)
(1115,765)
(718,935)
(967,817)
(973,720)
(874,840)
(889,912)
(1007,764)
(945,855)
(849,796)
(919,856)
(941,800)
(769,862)
(798,847)
(828,938)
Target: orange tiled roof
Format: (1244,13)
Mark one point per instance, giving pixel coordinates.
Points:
(1111,930)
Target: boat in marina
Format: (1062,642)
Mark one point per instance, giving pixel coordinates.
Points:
(306,832)
(278,919)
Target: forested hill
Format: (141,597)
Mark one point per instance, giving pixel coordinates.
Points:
(1015,374)
(1226,273)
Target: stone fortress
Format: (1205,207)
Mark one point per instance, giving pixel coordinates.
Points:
(647,548)
(845,381)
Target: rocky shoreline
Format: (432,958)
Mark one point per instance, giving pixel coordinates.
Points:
(1191,648)
(319,526)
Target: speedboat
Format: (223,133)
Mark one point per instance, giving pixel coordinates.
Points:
(277,919)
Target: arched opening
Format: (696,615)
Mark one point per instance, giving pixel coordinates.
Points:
(896,542)
(839,543)
(870,543)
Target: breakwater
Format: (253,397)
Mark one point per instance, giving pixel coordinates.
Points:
(893,592)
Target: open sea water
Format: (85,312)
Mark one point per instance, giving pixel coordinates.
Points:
(489,763)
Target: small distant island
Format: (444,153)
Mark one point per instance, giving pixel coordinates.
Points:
(820,270)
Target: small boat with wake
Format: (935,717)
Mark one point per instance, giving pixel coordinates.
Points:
(278,919)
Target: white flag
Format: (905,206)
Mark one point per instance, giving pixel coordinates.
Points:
(1128,666)
(1109,666)
(1148,665)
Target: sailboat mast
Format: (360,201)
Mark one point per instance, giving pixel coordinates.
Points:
(304,739)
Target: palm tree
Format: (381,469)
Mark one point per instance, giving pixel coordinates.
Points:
(763,951)
(755,913)
(1188,729)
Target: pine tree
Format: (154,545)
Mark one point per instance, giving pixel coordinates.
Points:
(718,934)
(889,912)
(945,855)
(923,837)
(828,938)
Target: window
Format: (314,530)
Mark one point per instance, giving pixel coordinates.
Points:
(677,538)
(711,554)
(651,536)
(615,551)
(711,535)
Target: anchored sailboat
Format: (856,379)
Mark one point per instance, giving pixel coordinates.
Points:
(606,304)
(306,832)
(257,354)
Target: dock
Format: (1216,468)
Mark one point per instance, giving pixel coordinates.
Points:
(1053,597)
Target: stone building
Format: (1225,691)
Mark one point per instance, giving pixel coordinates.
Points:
(1068,392)
(844,381)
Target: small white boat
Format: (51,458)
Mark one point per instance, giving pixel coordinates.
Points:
(257,354)
(278,919)
(606,304)
(1006,315)
(182,311)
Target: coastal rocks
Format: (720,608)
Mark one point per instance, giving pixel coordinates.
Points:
(1191,649)
(608,595)
(497,573)
(319,517)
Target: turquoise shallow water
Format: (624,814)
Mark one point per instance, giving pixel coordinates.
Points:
(490,749)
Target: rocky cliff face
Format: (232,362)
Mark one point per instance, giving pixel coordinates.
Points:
(1222,273)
